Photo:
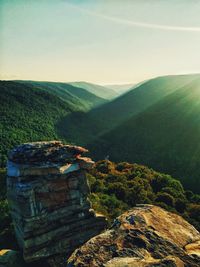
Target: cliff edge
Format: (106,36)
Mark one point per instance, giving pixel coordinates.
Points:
(144,236)
(47,192)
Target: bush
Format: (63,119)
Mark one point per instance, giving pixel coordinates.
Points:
(123,166)
(165,198)
(132,184)
(180,205)
(194,211)
(118,189)
(159,182)
(108,205)
(104,166)
(189,194)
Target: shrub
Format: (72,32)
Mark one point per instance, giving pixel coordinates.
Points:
(118,189)
(165,198)
(180,205)
(104,166)
(194,211)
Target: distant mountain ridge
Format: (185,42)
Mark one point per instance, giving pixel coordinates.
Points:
(88,126)
(68,93)
(120,88)
(98,90)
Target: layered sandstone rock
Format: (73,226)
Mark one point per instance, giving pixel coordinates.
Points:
(47,194)
(143,237)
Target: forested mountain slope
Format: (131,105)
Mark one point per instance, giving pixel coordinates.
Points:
(89,125)
(71,94)
(164,136)
(156,124)
(30,114)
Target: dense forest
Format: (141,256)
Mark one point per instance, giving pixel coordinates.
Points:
(165,137)
(104,118)
(78,97)
(27,115)
(31,111)
(155,123)
(116,187)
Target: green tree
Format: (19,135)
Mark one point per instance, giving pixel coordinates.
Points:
(165,198)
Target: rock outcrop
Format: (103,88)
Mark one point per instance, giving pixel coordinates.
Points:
(47,194)
(144,236)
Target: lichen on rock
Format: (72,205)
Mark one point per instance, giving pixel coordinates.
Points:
(47,193)
(144,236)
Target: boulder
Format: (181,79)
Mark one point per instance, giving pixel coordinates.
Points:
(47,193)
(144,236)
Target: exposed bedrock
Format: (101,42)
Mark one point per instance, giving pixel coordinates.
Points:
(47,193)
(146,236)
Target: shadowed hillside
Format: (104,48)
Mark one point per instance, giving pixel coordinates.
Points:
(88,126)
(164,136)
(156,124)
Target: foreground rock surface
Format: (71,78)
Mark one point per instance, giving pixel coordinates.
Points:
(144,236)
(47,194)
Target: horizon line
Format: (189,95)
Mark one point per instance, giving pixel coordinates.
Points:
(101,83)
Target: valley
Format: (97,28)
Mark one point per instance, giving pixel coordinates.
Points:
(147,136)
(155,123)
(100,133)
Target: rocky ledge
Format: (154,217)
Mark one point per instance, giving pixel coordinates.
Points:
(47,194)
(143,237)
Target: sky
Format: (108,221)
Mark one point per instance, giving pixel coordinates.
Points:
(99,41)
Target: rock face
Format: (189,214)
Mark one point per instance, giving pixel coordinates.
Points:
(47,195)
(144,236)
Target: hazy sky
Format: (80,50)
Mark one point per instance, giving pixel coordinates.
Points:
(101,41)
